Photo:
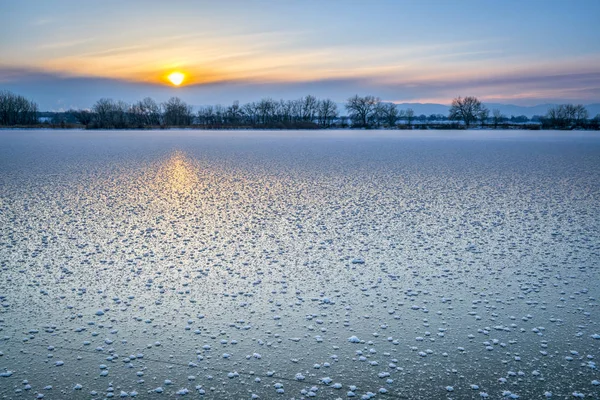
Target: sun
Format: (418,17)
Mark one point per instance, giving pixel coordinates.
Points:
(176,78)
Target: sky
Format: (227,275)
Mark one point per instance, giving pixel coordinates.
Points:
(66,53)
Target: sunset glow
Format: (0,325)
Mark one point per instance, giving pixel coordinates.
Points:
(247,55)
(176,78)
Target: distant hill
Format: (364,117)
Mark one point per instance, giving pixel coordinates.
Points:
(540,109)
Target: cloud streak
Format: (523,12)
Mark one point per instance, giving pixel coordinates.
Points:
(54,90)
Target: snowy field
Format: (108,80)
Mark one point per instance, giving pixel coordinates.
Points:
(278,265)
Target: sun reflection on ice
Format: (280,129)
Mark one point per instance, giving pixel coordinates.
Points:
(177,175)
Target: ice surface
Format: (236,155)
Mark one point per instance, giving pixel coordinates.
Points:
(296,265)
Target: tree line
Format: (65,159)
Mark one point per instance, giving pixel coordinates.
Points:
(565,116)
(17,110)
(306,112)
(309,112)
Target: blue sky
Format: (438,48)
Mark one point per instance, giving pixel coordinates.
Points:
(70,53)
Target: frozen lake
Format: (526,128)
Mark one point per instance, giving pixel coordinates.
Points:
(297,264)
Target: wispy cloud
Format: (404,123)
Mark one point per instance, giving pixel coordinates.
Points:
(63,44)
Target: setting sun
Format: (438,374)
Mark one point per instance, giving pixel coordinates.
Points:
(176,78)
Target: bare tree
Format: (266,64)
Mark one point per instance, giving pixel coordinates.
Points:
(251,113)
(595,122)
(266,111)
(497,117)
(466,110)
(554,118)
(177,112)
(389,114)
(220,112)
(362,110)
(309,108)
(326,112)
(285,111)
(151,111)
(407,115)
(296,110)
(234,113)
(483,115)
(110,114)
(206,115)
(121,115)
(145,113)
(84,117)
(410,116)
(580,115)
(566,116)
(17,110)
